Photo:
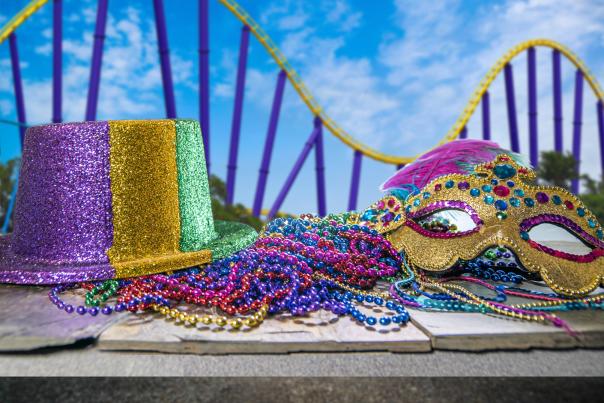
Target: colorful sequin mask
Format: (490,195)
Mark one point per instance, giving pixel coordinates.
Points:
(503,207)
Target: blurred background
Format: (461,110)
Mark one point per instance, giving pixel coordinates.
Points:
(394,74)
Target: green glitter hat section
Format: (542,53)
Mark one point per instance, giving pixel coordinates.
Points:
(196,220)
(232,237)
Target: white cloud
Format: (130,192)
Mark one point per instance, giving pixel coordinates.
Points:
(349,90)
(440,57)
(340,14)
(130,76)
(404,99)
(294,21)
(258,84)
(89,14)
(71,18)
(5,107)
(306,47)
(285,15)
(47,33)
(44,50)
(225,87)
(5,71)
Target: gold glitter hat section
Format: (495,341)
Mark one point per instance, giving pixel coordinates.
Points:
(114,199)
(145,204)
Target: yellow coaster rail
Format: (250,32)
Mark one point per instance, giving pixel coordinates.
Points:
(452,134)
(20,18)
(315,107)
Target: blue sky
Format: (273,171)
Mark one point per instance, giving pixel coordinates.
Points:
(394,74)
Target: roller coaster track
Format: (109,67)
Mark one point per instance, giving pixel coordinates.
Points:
(20,18)
(313,105)
(346,138)
(321,118)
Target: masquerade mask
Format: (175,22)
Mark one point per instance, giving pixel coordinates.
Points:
(457,217)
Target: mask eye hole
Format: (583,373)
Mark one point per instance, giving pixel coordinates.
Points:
(559,238)
(446,221)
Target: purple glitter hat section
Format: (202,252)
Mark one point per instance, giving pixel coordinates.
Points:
(16,269)
(63,208)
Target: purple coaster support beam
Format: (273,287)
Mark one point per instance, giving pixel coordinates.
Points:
(557,86)
(18,85)
(577,127)
(204,78)
(268,144)
(294,172)
(511,106)
(463,134)
(486,116)
(97,59)
(532,107)
(320,168)
(237,110)
(57,60)
(600,113)
(164,58)
(354,182)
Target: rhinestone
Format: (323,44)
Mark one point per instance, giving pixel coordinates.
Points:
(501,205)
(504,171)
(542,197)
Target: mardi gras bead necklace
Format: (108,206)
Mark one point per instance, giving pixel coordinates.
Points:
(296,266)
(454,297)
(91,310)
(461,295)
(106,290)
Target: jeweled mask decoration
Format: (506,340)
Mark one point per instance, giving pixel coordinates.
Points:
(502,206)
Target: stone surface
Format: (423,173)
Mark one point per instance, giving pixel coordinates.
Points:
(29,321)
(92,362)
(321,331)
(478,332)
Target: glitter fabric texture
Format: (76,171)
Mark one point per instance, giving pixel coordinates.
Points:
(63,212)
(233,237)
(62,219)
(196,221)
(144,185)
(100,200)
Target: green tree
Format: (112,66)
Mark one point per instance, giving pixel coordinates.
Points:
(7,182)
(233,212)
(560,169)
(557,169)
(594,196)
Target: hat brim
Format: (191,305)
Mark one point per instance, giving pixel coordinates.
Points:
(17,269)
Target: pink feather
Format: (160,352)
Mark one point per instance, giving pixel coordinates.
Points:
(454,157)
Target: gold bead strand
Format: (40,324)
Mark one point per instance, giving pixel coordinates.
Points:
(253,320)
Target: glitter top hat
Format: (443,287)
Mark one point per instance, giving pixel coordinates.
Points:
(113,199)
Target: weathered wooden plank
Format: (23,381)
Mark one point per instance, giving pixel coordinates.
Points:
(476,332)
(321,331)
(29,321)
